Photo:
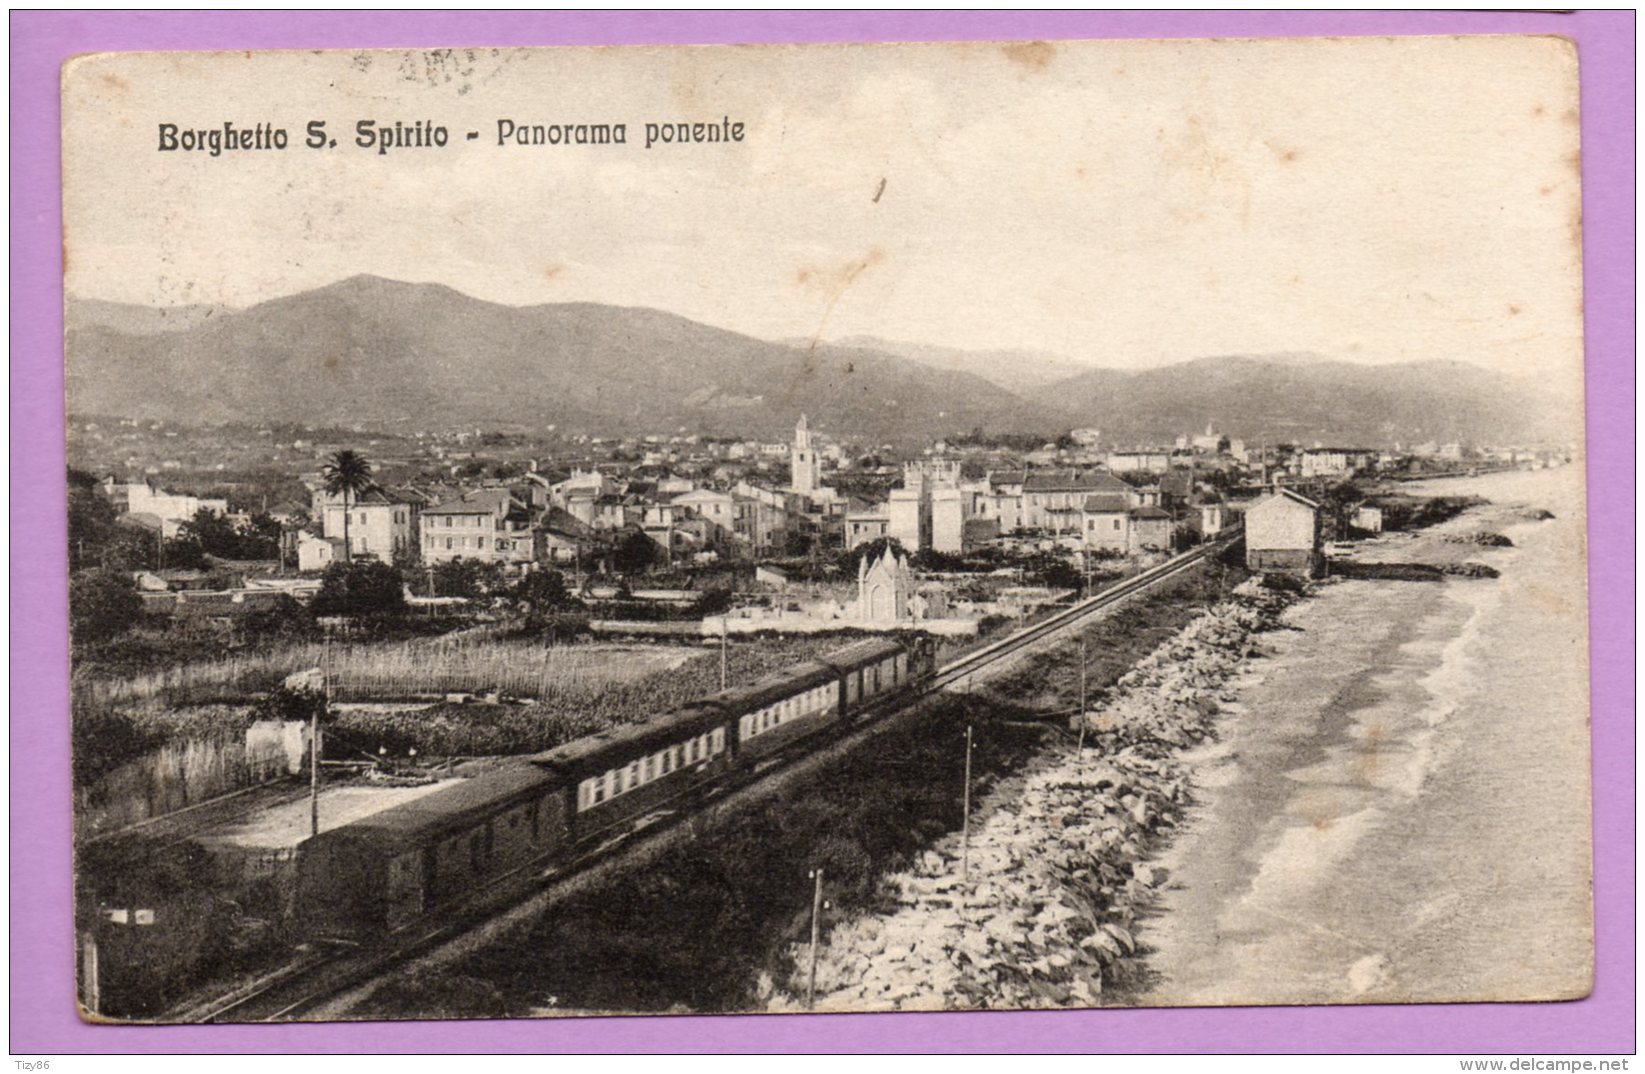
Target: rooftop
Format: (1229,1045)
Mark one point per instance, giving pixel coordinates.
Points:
(1074,481)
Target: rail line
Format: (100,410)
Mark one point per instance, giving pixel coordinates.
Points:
(314,978)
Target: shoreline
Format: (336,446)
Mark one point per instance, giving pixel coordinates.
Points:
(1398,730)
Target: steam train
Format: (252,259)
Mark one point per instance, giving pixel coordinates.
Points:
(394,867)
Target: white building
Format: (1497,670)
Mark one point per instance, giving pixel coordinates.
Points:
(382,523)
(1282,533)
(1335,461)
(805,468)
(171,508)
(491,525)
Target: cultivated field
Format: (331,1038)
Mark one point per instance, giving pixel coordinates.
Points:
(401,670)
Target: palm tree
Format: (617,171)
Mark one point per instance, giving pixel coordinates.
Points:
(348,474)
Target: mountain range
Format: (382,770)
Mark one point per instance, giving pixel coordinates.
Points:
(387,354)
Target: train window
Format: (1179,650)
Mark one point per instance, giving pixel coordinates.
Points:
(718,739)
(613,784)
(633,774)
(645,769)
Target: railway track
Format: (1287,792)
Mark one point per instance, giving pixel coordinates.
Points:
(959,669)
(314,978)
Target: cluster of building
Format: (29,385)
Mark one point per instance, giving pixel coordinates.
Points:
(702,501)
(936,509)
(561,518)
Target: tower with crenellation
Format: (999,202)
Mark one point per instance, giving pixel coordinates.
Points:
(805,468)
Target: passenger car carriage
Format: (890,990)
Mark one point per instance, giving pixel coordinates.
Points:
(389,869)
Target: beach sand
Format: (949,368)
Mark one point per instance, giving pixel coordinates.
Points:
(1398,808)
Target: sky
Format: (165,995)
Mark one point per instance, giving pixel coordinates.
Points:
(1123,204)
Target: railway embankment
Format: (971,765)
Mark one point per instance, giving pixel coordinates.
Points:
(1036,907)
(696,928)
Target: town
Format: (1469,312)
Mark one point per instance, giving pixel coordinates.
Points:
(217,523)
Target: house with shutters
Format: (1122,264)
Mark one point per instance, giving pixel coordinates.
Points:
(382,523)
(491,524)
(1054,500)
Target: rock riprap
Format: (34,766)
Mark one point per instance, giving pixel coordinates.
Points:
(1057,863)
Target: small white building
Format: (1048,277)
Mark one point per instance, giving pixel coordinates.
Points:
(885,587)
(1282,533)
(172,509)
(316,553)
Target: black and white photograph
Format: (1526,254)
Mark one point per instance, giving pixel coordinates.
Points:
(826,528)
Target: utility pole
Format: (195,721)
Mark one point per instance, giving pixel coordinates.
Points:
(314,742)
(1082,695)
(91,988)
(723,646)
(816,921)
(965,823)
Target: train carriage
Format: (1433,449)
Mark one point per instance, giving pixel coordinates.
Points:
(390,868)
(630,770)
(871,670)
(779,709)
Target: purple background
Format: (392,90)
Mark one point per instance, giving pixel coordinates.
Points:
(43,1016)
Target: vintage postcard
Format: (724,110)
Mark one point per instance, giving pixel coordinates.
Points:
(826,528)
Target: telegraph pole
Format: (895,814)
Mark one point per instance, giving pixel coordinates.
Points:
(965,823)
(816,921)
(91,986)
(723,645)
(1082,695)
(314,742)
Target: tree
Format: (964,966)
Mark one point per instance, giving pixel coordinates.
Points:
(130,548)
(102,604)
(543,590)
(635,553)
(365,588)
(219,536)
(284,618)
(183,552)
(869,550)
(348,474)
(291,705)
(91,520)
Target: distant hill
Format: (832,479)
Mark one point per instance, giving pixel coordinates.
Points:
(1303,398)
(139,320)
(380,352)
(403,356)
(1016,371)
